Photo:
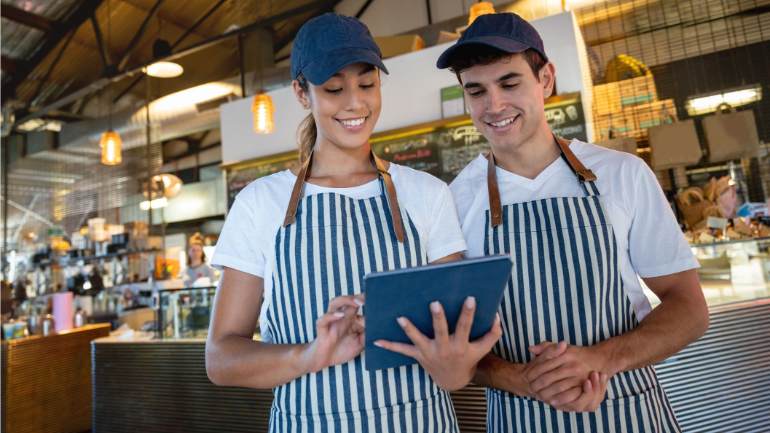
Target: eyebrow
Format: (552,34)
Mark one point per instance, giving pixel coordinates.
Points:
(508,76)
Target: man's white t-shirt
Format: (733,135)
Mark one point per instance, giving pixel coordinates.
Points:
(650,242)
(247,239)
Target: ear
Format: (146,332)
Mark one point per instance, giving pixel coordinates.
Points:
(301,94)
(548,79)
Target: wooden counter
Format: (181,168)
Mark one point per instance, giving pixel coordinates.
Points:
(47,381)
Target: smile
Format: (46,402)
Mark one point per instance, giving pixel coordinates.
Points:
(502,123)
(352,123)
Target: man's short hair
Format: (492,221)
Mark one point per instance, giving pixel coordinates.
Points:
(474,55)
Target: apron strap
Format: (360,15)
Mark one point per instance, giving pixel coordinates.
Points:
(382,171)
(495,207)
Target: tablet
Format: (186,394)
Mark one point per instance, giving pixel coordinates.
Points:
(408,292)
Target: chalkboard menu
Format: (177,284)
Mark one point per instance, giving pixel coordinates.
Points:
(240,175)
(444,148)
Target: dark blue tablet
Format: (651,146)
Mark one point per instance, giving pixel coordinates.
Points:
(408,292)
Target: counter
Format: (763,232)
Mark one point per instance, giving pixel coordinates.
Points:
(719,383)
(47,382)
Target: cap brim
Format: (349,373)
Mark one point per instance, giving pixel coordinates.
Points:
(501,43)
(318,72)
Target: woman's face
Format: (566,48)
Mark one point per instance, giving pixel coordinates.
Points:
(346,107)
(196,253)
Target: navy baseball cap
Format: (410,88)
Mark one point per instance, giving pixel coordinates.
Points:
(328,43)
(507,32)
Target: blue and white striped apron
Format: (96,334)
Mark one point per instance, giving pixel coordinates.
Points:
(326,246)
(566,286)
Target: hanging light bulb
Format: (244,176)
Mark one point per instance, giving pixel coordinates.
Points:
(479,9)
(262,110)
(111,145)
(163,69)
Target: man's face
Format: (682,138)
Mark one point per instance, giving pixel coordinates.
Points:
(506,99)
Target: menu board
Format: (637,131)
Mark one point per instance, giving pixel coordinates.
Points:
(240,175)
(443,150)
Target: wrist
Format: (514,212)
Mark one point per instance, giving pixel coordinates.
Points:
(611,360)
(303,358)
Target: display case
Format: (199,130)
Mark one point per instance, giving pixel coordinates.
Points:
(183,313)
(734,270)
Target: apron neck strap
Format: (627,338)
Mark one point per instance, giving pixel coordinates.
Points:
(383,173)
(583,174)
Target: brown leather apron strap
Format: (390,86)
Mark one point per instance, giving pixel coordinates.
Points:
(296,192)
(584,174)
(495,207)
(382,170)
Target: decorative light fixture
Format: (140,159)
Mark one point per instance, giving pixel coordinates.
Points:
(163,69)
(710,103)
(479,9)
(110,143)
(262,110)
(111,146)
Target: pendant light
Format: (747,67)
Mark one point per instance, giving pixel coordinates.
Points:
(262,110)
(110,143)
(163,69)
(479,9)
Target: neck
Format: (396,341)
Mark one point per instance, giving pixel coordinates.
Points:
(531,157)
(195,263)
(335,166)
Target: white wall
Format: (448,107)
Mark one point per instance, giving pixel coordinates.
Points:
(410,93)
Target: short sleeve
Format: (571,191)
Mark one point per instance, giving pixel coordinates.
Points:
(444,235)
(239,244)
(656,244)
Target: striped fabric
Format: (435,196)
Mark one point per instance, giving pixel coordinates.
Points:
(566,286)
(334,242)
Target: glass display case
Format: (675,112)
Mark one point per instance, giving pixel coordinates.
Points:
(184,313)
(734,270)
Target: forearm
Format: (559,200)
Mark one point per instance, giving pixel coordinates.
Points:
(671,326)
(495,372)
(238,361)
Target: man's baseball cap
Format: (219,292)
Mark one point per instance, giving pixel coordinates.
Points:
(507,32)
(328,43)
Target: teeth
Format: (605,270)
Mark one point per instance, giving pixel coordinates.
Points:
(503,122)
(350,123)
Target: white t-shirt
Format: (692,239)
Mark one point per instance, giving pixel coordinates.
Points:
(247,239)
(650,242)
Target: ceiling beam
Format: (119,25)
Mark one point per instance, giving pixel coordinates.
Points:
(102,82)
(28,19)
(47,75)
(138,35)
(70,24)
(101,47)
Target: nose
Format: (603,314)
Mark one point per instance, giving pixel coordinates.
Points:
(495,101)
(355,100)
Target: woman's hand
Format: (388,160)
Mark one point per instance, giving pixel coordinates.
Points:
(339,335)
(449,359)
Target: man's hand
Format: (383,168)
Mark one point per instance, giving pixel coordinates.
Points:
(562,379)
(449,359)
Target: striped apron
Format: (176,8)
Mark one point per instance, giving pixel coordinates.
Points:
(328,242)
(566,286)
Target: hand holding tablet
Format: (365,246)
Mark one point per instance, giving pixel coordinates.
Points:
(427,313)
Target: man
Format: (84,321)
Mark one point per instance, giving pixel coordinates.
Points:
(582,224)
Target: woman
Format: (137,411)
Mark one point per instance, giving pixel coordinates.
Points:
(296,246)
(196,263)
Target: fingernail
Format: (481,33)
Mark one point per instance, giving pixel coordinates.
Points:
(339,314)
(401,321)
(435,306)
(470,302)
(377,343)
(358,302)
